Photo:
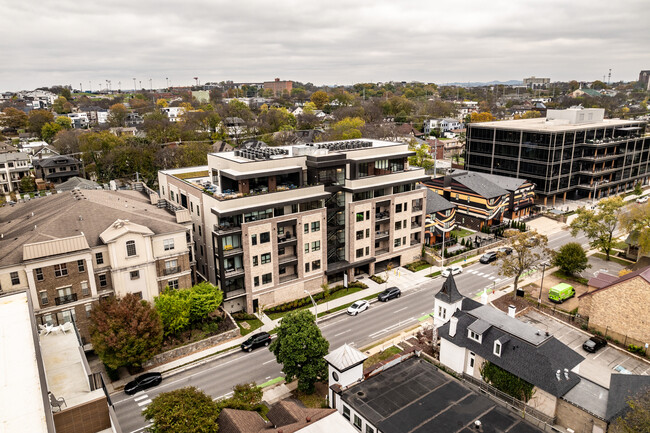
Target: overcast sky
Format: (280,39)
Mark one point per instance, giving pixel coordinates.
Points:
(44,42)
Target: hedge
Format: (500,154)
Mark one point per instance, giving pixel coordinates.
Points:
(301,302)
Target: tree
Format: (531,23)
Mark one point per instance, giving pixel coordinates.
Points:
(38,118)
(528,250)
(300,349)
(174,311)
(247,396)
(203,298)
(599,225)
(481,117)
(13,119)
(637,417)
(49,131)
(61,105)
(346,129)
(637,220)
(571,258)
(506,382)
(117,115)
(184,410)
(638,190)
(319,99)
(27,184)
(64,121)
(125,331)
(422,157)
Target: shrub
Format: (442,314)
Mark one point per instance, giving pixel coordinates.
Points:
(243,316)
(636,349)
(112,374)
(210,327)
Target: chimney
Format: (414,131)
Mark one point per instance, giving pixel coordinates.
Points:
(558,375)
(512,310)
(566,373)
(308,419)
(453,323)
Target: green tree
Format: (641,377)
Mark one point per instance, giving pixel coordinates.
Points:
(528,250)
(300,349)
(61,105)
(638,190)
(37,119)
(247,396)
(637,417)
(27,184)
(319,99)
(598,85)
(637,220)
(571,258)
(117,115)
(506,382)
(49,131)
(599,225)
(64,122)
(204,298)
(125,331)
(184,410)
(346,129)
(174,311)
(422,157)
(13,119)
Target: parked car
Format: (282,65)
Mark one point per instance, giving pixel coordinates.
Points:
(256,340)
(643,199)
(358,307)
(505,250)
(488,257)
(561,292)
(389,293)
(452,270)
(594,343)
(143,382)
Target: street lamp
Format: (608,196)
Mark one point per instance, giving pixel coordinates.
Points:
(541,286)
(315,305)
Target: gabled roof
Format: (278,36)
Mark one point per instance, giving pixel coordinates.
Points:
(77,182)
(54,247)
(345,357)
(643,273)
(449,292)
(56,161)
(479,184)
(436,202)
(236,421)
(622,388)
(510,184)
(121,227)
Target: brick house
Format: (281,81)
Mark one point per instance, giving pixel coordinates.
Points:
(618,307)
(71,249)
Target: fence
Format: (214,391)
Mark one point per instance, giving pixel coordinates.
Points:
(533,415)
(485,245)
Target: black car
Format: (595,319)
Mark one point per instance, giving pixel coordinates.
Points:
(142,382)
(594,343)
(389,293)
(488,257)
(256,340)
(505,250)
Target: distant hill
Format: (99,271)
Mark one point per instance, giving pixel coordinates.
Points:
(489,83)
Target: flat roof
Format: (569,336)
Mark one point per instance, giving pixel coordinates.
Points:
(22,390)
(559,125)
(589,395)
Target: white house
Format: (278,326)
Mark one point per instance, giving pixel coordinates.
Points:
(173,113)
(443,125)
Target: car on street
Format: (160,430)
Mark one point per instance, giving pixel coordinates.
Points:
(389,293)
(358,307)
(505,250)
(143,382)
(594,343)
(488,257)
(643,199)
(256,340)
(452,270)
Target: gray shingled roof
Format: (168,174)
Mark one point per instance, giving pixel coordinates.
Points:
(479,184)
(518,356)
(77,182)
(436,202)
(624,387)
(508,183)
(56,161)
(62,215)
(449,292)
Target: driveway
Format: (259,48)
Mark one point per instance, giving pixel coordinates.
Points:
(596,367)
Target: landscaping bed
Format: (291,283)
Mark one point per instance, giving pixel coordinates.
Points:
(418,266)
(317,400)
(252,322)
(381,356)
(214,325)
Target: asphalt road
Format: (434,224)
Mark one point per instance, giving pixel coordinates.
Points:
(218,376)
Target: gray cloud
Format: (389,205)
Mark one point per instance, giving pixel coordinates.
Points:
(333,42)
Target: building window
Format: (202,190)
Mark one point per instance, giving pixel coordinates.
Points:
(359,234)
(283,270)
(254,260)
(265,237)
(406,205)
(254,239)
(44,300)
(306,247)
(267,278)
(84,288)
(200,234)
(266,258)
(359,252)
(99,258)
(315,246)
(168,244)
(473,336)
(369,429)
(173,284)
(367,233)
(256,281)
(346,412)
(359,216)
(398,207)
(306,227)
(102,280)
(171,267)
(15,278)
(130,248)
(367,250)
(39,274)
(357,421)
(315,265)
(398,225)
(497,348)
(315,226)
(471,359)
(60,270)
(281,251)
(135,275)
(81,265)
(306,267)
(442,313)
(89,309)
(198,211)
(398,242)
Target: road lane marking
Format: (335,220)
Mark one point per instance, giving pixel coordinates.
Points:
(142,403)
(268,362)
(223,396)
(492,277)
(341,333)
(142,428)
(142,397)
(401,309)
(267,377)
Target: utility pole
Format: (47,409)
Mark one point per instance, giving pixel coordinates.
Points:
(609,77)
(81,88)
(196,80)
(151,84)
(166,83)
(135,89)
(119,86)
(90,86)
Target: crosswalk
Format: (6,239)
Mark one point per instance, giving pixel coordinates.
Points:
(489,276)
(142,400)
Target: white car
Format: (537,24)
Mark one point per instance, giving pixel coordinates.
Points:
(643,199)
(452,270)
(358,307)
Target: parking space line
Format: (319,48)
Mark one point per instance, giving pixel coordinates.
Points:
(605,350)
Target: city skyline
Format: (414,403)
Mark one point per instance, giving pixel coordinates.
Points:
(378,41)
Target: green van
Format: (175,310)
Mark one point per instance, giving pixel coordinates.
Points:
(561,292)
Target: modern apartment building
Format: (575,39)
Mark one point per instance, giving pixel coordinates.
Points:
(272,223)
(570,154)
(70,249)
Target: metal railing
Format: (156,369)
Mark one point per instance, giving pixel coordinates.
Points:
(65,299)
(169,271)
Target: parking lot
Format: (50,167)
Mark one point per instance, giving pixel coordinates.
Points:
(596,367)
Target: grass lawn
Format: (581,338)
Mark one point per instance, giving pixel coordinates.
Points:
(435,274)
(461,233)
(561,275)
(417,266)
(614,259)
(336,295)
(313,401)
(378,357)
(620,245)
(343,307)
(253,323)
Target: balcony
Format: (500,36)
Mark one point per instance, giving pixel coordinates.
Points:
(379,216)
(233,272)
(380,251)
(416,208)
(226,228)
(382,234)
(416,224)
(284,260)
(285,278)
(65,299)
(287,240)
(170,271)
(229,250)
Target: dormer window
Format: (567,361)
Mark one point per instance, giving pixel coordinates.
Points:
(130,248)
(497,348)
(474,336)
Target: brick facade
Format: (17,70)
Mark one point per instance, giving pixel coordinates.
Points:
(570,416)
(73,279)
(87,417)
(183,262)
